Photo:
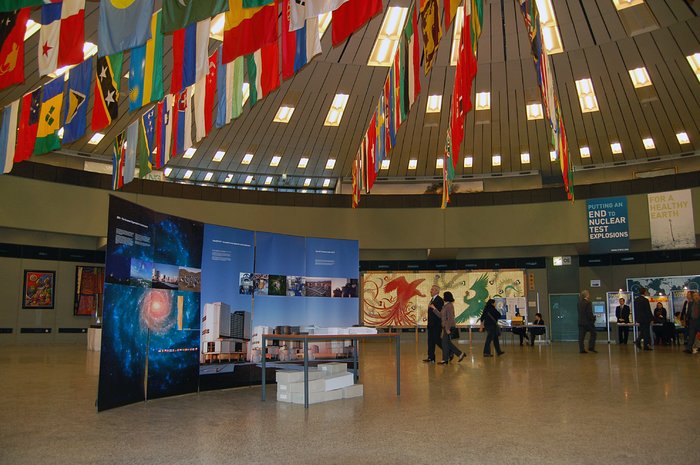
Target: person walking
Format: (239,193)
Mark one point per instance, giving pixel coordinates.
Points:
(489,321)
(644,317)
(622,313)
(434,322)
(586,323)
(693,319)
(449,328)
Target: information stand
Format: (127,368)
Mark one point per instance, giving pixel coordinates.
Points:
(613,301)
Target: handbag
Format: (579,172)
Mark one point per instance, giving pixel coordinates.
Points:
(454,333)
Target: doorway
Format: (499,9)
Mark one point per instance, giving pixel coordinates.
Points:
(564,311)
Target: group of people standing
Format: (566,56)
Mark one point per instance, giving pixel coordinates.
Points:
(643,316)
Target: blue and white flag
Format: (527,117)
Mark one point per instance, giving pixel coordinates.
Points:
(8,136)
(132,142)
(76,102)
(124,24)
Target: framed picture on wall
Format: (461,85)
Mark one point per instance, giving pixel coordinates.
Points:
(39,288)
(89,282)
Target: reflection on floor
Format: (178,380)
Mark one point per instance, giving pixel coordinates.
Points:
(545,404)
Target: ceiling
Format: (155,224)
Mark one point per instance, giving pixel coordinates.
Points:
(599,43)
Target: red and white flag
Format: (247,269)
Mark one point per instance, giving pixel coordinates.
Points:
(62,35)
(351,16)
(204,96)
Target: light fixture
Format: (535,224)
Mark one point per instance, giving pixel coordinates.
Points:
(247,158)
(60,132)
(167,172)
(32,28)
(324,20)
(335,113)
(218,156)
(385,164)
(534,111)
(216,28)
(388,38)
(640,77)
(468,161)
(304,191)
(616,148)
(324,191)
(412,164)
(496,160)
(648,143)
(284,114)
(552,155)
(303,161)
(275,160)
(525,158)
(268,180)
(96,138)
(586,95)
(326,182)
(189,153)
(483,101)
(248,179)
(683,138)
(307,182)
(434,104)
(694,61)
(550,27)
(622,4)
(456,35)
(229,177)
(188,174)
(330,164)
(585,152)
(439,163)
(208,176)
(264,189)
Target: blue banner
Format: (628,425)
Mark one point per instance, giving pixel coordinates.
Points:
(608,225)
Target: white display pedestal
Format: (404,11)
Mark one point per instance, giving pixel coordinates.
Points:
(94,339)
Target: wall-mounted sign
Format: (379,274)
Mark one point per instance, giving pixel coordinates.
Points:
(671,220)
(608,226)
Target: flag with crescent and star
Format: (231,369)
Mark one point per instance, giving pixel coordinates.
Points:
(178,14)
(108,72)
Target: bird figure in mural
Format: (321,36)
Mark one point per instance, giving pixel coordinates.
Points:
(475,298)
(397,310)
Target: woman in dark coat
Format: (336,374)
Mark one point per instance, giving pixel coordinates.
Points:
(447,318)
(489,321)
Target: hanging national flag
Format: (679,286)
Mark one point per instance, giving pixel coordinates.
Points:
(248,29)
(8,136)
(451,10)
(448,172)
(146,68)
(50,117)
(118,161)
(263,72)
(380,133)
(302,10)
(255,3)
(372,167)
(124,25)
(204,94)
(461,93)
(75,109)
(108,72)
(356,177)
(224,92)
(62,35)
(132,142)
(182,122)
(13,25)
(164,131)
(390,129)
(432,32)
(413,56)
(396,89)
(300,46)
(237,90)
(10,5)
(351,16)
(28,125)
(178,14)
(190,52)
(146,142)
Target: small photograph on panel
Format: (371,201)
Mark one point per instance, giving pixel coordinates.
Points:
(261,282)
(343,287)
(246,284)
(318,287)
(277,285)
(190,279)
(140,273)
(295,286)
(165,276)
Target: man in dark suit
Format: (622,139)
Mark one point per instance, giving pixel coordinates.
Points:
(644,317)
(434,323)
(693,319)
(586,323)
(686,305)
(622,313)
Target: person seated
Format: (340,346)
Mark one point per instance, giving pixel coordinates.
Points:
(534,332)
(663,330)
(519,330)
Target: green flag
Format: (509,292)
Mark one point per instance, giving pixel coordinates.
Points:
(256,3)
(178,14)
(10,5)
(237,87)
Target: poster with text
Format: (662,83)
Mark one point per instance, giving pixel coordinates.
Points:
(671,220)
(608,226)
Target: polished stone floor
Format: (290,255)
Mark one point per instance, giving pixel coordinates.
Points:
(534,405)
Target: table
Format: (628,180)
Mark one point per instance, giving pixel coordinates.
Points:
(305,338)
(528,326)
